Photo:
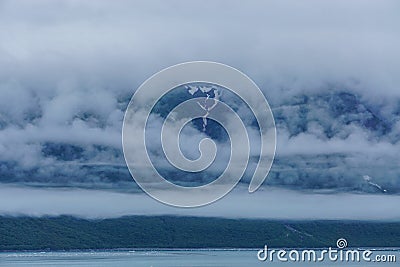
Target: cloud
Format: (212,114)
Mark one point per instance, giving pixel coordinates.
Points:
(329,70)
(269,204)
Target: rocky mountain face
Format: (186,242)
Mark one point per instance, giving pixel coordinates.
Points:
(327,140)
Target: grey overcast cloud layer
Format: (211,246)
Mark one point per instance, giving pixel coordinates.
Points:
(292,205)
(330,70)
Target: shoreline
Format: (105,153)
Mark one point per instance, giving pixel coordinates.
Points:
(133,250)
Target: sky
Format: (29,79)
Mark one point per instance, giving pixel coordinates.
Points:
(329,70)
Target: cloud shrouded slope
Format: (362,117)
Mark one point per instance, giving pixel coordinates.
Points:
(329,70)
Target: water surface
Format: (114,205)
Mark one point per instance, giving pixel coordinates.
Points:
(160,258)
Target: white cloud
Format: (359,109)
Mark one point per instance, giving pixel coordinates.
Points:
(266,204)
(68,68)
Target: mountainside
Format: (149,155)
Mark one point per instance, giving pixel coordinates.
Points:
(334,139)
(58,233)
